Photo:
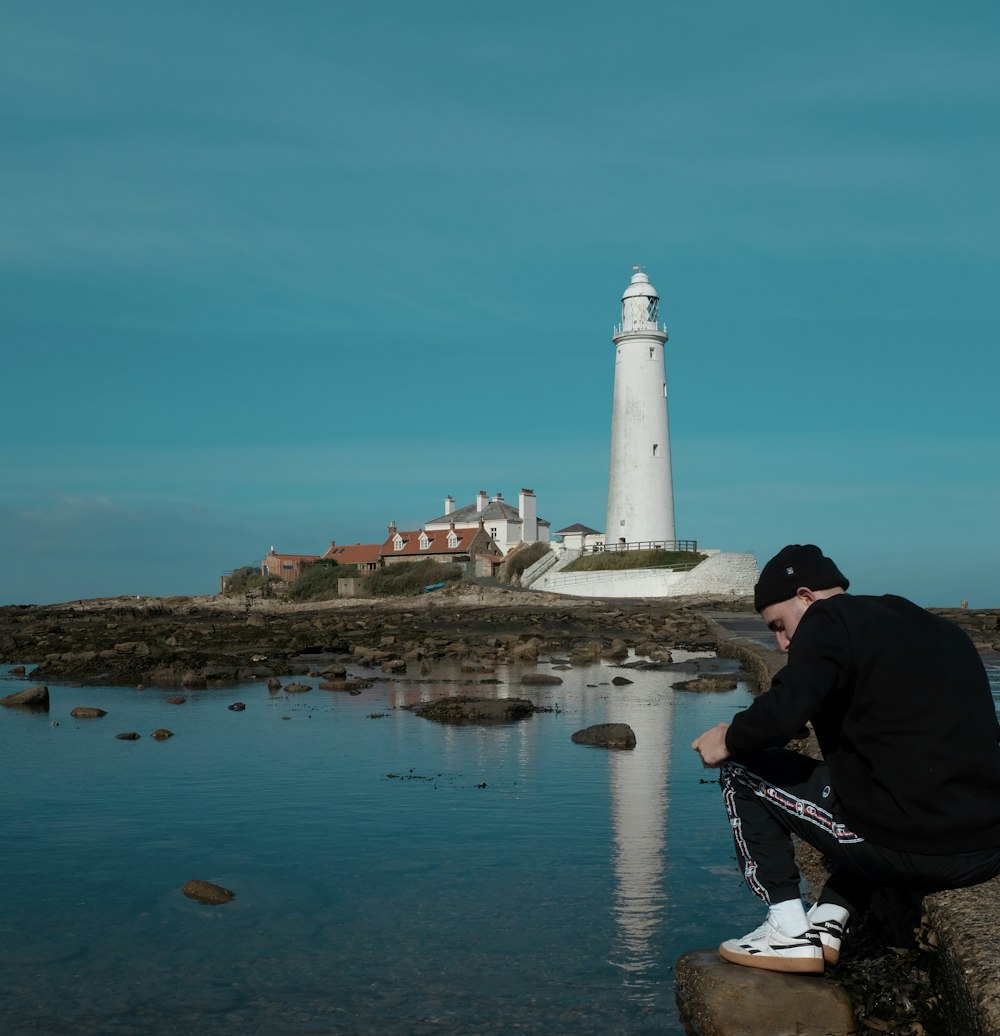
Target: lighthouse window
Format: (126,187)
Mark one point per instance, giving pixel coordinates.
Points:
(656,449)
(650,352)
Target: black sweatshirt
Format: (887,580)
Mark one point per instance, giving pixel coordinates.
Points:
(901,706)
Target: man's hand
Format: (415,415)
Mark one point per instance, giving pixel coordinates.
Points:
(711,745)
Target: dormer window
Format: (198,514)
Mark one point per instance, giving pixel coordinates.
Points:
(452,539)
(424,541)
(397,542)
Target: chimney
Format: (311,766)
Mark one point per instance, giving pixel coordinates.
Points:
(480,501)
(449,505)
(527,509)
(392,528)
(333,543)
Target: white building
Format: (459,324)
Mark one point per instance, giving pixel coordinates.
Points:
(509,526)
(640,484)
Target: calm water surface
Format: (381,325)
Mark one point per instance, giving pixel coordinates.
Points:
(379,888)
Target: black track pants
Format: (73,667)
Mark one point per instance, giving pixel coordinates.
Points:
(772,795)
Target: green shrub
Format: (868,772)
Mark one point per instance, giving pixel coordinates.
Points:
(318,581)
(406,579)
(520,559)
(245,578)
(613,559)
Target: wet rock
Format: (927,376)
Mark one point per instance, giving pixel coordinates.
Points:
(129,735)
(618,651)
(394,665)
(206,892)
(707,683)
(621,681)
(274,684)
(352,686)
(297,688)
(540,679)
(237,706)
(161,734)
(176,699)
(87,712)
(193,680)
(720,999)
(35,699)
(334,672)
(464,709)
(606,735)
(586,654)
(16,670)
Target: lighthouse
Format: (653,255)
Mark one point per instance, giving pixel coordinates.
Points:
(640,485)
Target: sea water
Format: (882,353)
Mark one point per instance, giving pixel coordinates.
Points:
(392,875)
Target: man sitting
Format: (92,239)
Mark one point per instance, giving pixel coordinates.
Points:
(908,791)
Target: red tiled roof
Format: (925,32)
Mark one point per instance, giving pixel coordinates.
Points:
(354,553)
(294,557)
(438,542)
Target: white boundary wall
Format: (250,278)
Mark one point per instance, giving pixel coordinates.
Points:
(721,575)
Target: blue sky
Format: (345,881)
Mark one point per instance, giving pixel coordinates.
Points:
(283,273)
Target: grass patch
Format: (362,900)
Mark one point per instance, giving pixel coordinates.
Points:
(409,579)
(612,560)
(318,581)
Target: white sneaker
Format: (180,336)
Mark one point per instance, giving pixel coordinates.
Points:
(830,933)
(771,949)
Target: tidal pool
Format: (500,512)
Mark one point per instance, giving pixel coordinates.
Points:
(392,875)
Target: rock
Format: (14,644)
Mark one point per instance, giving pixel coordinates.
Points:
(192,680)
(132,647)
(463,709)
(206,892)
(334,672)
(707,683)
(237,706)
(176,699)
(161,734)
(618,651)
(720,999)
(87,712)
(540,679)
(16,670)
(621,681)
(274,684)
(34,698)
(606,735)
(129,735)
(297,688)
(353,686)
(394,665)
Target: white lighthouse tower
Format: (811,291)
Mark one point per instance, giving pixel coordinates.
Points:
(640,485)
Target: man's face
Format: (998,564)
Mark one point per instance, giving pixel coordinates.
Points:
(783,618)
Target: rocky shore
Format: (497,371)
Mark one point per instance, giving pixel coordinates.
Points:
(212,641)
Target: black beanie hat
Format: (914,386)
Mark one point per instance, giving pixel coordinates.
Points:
(794,566)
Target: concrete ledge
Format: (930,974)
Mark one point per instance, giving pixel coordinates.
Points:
(967,966)
(720,999)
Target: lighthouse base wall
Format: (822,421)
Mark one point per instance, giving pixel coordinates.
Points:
(722,575)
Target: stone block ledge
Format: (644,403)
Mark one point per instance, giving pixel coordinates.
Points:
(966,967)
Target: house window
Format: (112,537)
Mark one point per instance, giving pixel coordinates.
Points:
(493,532)
(397,542)
(452,540)
(424,541)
